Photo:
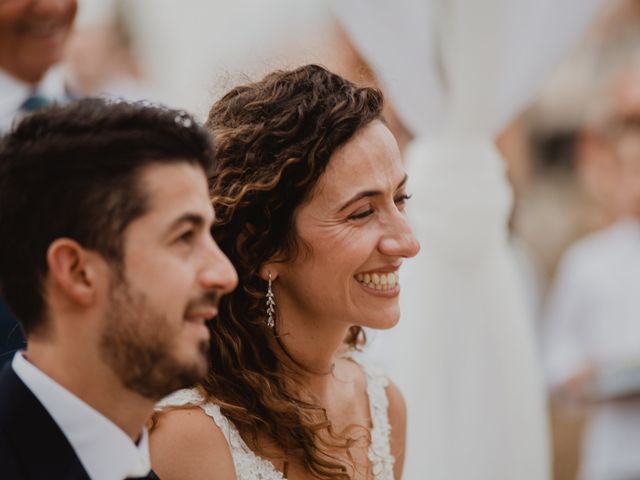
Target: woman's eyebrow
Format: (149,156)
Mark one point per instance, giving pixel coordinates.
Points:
(369,193)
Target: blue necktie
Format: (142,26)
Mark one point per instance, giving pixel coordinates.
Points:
(34,102)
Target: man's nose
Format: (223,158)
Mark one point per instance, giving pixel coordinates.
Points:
(218,273)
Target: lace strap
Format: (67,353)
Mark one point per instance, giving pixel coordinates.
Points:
(183,398)
(180,398)
(380,450)
(247,464)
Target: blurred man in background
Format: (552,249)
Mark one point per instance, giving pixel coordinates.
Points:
(33,36)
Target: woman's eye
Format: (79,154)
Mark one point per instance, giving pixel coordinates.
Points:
(403,198)
(359,215)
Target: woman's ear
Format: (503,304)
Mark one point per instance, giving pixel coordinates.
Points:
(270,267)
(277,265)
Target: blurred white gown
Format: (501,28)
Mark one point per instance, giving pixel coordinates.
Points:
(464,353)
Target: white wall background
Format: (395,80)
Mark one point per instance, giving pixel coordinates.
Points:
(194,50)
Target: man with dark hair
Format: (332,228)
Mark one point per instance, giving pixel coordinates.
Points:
(107,260)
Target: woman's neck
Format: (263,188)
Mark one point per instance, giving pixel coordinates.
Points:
(309,350)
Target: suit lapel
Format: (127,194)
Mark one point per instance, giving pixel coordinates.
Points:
(42,449)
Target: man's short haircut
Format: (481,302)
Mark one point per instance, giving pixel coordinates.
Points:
(72,171)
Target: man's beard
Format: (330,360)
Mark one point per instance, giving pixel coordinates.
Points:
(138,344)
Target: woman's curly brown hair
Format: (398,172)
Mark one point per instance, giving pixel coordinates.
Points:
(273,141)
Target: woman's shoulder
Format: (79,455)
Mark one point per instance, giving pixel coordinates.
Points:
(398,425)
(187,443)
(397,405)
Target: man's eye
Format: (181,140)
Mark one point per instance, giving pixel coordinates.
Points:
(357,216)
(187,236)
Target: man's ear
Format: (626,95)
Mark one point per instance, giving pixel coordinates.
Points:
(72,269)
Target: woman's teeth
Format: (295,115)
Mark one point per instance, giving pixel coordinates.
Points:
(379,281)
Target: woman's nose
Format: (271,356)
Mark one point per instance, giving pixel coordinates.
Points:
(400,241)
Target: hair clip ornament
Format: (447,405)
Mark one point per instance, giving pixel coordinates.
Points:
(183,119)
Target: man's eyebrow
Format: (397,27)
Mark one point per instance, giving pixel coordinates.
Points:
(369,193)
(195,219)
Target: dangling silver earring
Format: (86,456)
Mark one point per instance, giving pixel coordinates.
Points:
(271,305)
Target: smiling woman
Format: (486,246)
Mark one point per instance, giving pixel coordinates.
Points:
(309,192)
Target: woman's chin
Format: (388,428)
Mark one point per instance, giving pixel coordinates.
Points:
(382,322)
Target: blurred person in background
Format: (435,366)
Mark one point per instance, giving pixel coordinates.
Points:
(102,58)
(591,328)
(33,37)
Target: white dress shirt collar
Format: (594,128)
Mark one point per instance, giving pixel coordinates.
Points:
(105,451)
(15,92)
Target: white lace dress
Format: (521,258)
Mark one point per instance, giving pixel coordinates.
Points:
(250,466)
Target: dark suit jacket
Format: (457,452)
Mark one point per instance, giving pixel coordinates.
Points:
(11,338)
(32,446)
